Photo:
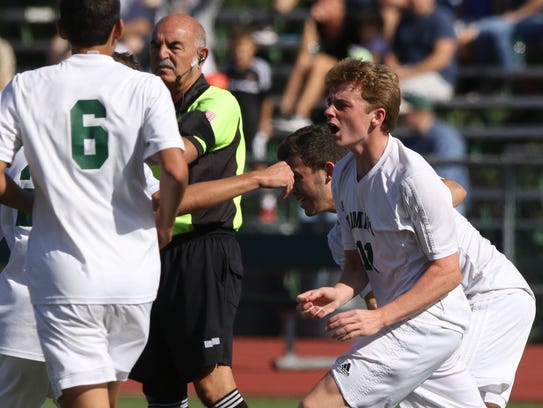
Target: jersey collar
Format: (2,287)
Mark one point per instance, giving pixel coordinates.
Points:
(198,88)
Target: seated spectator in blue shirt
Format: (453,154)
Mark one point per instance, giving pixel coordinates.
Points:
(423,51)
(494,35)
(434,139)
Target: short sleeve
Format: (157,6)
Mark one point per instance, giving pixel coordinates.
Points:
(10,139)
(427,201)
(153,184)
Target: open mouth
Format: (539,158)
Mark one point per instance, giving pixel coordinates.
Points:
(333,128)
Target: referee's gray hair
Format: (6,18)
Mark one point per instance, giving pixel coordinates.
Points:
(200,38)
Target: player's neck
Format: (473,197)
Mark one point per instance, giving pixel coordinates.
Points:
(95,49)
(369,154)
(106,49)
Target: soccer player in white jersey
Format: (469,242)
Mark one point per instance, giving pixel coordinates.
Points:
(502,303)
(23,379)
(396,220)
(93,259)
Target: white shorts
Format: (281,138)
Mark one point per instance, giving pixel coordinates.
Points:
(382,370)
(500,324)
(91,344)
(23,383)
(430,84)
(492,347)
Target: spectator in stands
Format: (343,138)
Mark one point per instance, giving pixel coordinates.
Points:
(326,38)
(497,34)
(59,49)
(249,80)
(392,11)
(423,51)
(8,63)
(139,17)
(266,35)
(372,44)
(433,138)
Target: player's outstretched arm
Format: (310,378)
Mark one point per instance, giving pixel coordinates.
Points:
(12,195)
(443,273)
(173,184)
(442,276)
(319,303)
(209,193)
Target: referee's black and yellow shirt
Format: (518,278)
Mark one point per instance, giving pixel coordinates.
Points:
(210,118)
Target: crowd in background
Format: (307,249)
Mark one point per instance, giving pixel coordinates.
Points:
(424,41)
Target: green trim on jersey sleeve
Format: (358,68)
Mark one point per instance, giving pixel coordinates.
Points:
(241,154)
(195,126)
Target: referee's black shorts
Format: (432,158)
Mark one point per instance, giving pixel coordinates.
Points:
(192,318)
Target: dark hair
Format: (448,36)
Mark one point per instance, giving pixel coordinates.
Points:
(377,83)
(240,32)
(88,22)
(313,144)
(127,59)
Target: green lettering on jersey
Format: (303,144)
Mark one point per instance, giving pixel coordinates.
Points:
(24,219)
(89,143)
(366,254)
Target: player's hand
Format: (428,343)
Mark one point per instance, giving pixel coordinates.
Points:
(318,303)
(354,323)
(278,175)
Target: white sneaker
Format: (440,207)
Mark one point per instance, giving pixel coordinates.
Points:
(265,37)
(292,124)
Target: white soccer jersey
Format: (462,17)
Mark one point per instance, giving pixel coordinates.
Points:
(399,217)
(18,336)
(484,268)
(93,237)
(152,183)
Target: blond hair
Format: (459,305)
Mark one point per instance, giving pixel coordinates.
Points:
(378,85)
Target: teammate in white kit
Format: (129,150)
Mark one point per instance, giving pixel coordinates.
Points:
(92,262)
(502,303)
(395,217)
(23,379)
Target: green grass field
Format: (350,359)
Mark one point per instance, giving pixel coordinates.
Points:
(127,402)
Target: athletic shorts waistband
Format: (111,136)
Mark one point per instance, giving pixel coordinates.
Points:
(200,232)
